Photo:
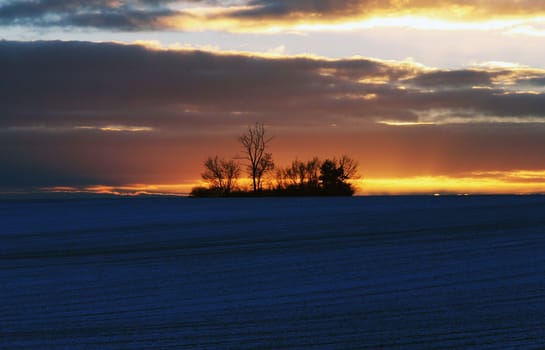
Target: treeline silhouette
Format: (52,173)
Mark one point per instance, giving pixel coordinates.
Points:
(314,177)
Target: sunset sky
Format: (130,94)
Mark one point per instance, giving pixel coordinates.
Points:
(132,96)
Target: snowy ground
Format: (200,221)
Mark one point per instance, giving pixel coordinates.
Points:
(291,273)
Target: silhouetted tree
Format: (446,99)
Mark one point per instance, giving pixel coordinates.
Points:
(299,174)
(312,169)
(231,171)
(348,167)
(266,164)
(330,174)
(334,173)
(295,174)
(254,145)
(221,174)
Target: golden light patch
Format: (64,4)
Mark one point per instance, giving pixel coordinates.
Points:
(397,14)
(403,123)
(421,22)
(514,182)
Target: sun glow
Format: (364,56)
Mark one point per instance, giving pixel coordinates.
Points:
(515,182)
(445,18)
(410,21)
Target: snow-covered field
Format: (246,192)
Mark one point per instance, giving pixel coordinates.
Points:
(271,273)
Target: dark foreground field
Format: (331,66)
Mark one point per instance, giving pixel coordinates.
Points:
(293,273)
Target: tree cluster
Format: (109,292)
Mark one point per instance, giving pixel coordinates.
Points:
(301,178)
(316,177)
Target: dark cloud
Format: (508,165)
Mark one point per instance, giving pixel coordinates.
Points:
(120,15)
(537,81)
(454,79)
(315,10)
(70,81)
(287,8)
(70,110)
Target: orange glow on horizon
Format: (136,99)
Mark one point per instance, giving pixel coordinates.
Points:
(448,185)
(513,182)
(126,190)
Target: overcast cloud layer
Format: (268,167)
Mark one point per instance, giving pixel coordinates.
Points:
(77,113)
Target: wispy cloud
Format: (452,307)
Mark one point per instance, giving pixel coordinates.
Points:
(115,128)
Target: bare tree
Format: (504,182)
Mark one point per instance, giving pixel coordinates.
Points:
(231,172)
(254,145)
(297,173)
(313,169)
(348,167)
(266,164)
(212,172)
(293,174)
(220,173)
(300,174)
(281,178)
